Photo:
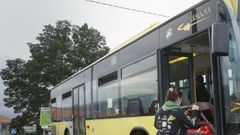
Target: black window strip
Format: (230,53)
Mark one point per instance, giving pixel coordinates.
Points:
(53,100)
(66,95)
(108,78)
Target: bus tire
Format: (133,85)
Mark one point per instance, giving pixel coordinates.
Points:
(66,132)
(139,132)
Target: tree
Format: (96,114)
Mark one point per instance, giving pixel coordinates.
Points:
(86,43)
(16,77)
(60,51)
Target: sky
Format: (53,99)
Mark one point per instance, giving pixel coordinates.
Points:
(22,20)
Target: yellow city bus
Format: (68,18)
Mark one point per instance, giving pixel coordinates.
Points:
(118,94)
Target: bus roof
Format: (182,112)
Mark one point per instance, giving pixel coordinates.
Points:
(134,37)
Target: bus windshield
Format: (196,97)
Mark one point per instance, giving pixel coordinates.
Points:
(230,66)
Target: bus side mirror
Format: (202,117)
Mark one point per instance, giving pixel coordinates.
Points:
(220,39)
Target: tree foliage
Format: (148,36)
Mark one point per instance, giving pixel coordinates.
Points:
(60,51)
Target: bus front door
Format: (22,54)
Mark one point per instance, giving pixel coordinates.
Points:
(176,69)
(79,110)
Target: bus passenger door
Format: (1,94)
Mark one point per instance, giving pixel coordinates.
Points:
(176,69)
(79,110)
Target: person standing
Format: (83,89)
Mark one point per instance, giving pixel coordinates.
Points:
(170,119)
(201,92)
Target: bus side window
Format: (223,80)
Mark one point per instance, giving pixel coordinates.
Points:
(134,107)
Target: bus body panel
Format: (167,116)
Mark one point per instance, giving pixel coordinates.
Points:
(120,126)
(59,128)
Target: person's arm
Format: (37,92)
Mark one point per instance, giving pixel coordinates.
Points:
(156,119)
(187,121)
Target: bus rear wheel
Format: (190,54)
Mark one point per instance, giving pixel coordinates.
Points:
(138,132)
(66,132)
